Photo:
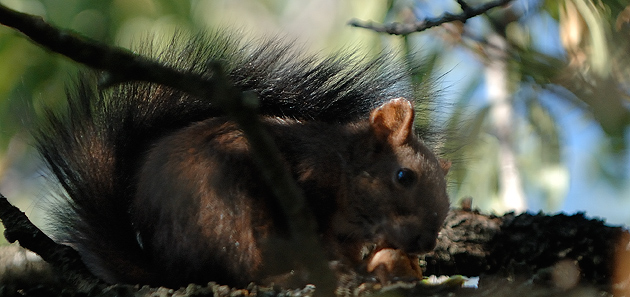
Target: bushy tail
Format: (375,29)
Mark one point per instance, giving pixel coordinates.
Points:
(95,146)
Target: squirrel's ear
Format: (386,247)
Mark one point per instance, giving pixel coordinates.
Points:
(393,121)
(446,165)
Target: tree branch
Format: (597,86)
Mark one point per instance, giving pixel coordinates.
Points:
(19,228)
(406,29)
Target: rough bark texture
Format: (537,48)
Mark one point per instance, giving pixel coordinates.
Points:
(472,244)
(514,255)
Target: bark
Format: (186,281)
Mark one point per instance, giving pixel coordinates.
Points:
(473,244)
(513,255)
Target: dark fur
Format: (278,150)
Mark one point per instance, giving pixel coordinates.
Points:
(98,149)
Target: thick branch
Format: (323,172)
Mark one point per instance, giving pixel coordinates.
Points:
(474,244)
(406,29)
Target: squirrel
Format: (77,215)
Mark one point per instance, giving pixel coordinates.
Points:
(159,188)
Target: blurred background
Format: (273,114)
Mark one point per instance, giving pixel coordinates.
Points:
(533,97)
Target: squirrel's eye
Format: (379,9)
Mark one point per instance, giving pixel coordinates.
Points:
(406,177)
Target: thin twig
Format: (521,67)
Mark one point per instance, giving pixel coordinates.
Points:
(19,228)
(465,7)
(122,66)
(408,28)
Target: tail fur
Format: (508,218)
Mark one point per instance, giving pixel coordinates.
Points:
(93,148)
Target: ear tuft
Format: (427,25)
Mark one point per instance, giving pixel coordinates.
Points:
(446,165)
(393,121)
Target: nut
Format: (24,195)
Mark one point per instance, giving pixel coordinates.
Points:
(390,264)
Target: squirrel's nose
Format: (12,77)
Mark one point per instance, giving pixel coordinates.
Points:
(410,237)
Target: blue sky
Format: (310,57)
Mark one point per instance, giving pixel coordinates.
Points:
(581,138)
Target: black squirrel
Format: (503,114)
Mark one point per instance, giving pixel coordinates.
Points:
(159,188)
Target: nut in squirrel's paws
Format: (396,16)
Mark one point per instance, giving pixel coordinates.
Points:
(390,265)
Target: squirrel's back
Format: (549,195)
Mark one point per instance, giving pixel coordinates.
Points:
(159,188)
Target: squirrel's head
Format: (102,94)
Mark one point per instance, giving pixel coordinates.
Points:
(397,196)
